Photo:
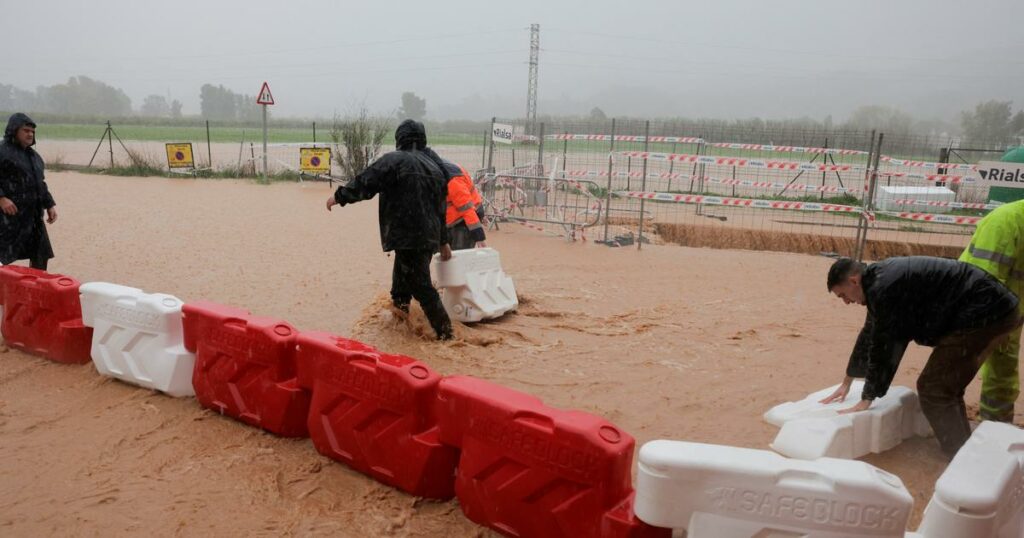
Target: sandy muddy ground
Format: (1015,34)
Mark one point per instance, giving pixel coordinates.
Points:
(667,342)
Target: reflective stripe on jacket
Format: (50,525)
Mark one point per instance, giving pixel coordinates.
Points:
(998,245)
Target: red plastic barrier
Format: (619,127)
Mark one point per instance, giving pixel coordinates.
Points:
(530,470)
(43,315)
(375,412)
(245,367)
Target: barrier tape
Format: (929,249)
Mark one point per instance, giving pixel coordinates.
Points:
(741,162)
(795,206)
(931,217)
(941,178)
(796,187)
(626,138)
(788,149)
(939,203)
(740,202)
(925,164)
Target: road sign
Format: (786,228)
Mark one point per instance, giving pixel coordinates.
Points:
(1001,174)
(315,160)
(501,133)
(265,98)
(179,155)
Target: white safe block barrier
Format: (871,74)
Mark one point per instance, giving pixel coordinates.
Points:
(811,430)
(729,492)
(981,493)
(138,337)
(473,285)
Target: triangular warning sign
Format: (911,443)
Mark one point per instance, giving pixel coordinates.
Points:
(265,98)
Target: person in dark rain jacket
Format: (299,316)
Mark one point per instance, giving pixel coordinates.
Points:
(24,197)
(411,214)
(956,308)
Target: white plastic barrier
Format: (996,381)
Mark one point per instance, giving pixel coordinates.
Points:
(811,430)
(473,285)
(729,492)
(137,337)
(981,493)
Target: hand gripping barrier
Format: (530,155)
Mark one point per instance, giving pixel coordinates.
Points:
(981,493)
(717,491)
(375,412)
(245,367)
(43,315)
(138,337)
(811,430)
(529,470)
(473,286)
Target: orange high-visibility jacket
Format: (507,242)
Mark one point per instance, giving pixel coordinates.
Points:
(463,200)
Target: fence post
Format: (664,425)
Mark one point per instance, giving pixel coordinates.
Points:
(872,186)
(608,193)
(209,153)
(110,143)
(862,221)
(490,150)
(540,148)
(314,134)
(643,183)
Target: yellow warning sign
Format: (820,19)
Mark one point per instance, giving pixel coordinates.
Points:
(179,155)
(315,160)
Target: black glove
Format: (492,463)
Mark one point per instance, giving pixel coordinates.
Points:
(477,234)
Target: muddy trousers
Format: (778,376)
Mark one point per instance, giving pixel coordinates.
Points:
(410,279)
(950,368)
(1000,382)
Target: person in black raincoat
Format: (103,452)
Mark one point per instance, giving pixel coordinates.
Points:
(413,189)
(956,308)
(24,197)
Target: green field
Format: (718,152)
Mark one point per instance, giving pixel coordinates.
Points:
(162,133)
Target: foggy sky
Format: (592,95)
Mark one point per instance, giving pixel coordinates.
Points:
(468,58)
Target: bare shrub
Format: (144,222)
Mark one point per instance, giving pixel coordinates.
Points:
(357,141)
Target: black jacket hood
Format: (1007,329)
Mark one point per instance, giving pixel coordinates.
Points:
(410,134)
(17,121)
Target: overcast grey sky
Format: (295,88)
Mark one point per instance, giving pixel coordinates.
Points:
(468,58)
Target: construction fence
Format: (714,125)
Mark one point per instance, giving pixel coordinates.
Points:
(841,192)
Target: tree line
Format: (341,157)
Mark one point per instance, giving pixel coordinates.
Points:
(84,96)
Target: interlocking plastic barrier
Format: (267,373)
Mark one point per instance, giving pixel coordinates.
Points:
(530,470)
(245,367)
(375,412)
(717,491)
(473,285)
(811,430)
(43,316)
(138,337)
(981,493)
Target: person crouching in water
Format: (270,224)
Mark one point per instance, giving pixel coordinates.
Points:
(413,190)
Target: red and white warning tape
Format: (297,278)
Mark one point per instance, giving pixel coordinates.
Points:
(739,202)
(626,138)
(794,206)
(931,217)
(940,178)
(938,203)
(925,164)
(739,182)
(740,162)
(787,149)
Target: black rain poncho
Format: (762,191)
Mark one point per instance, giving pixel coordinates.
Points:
(23,235)
(412,189)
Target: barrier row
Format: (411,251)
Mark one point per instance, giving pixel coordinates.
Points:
(515,464)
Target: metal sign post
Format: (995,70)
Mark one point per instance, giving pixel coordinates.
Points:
(265,98)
